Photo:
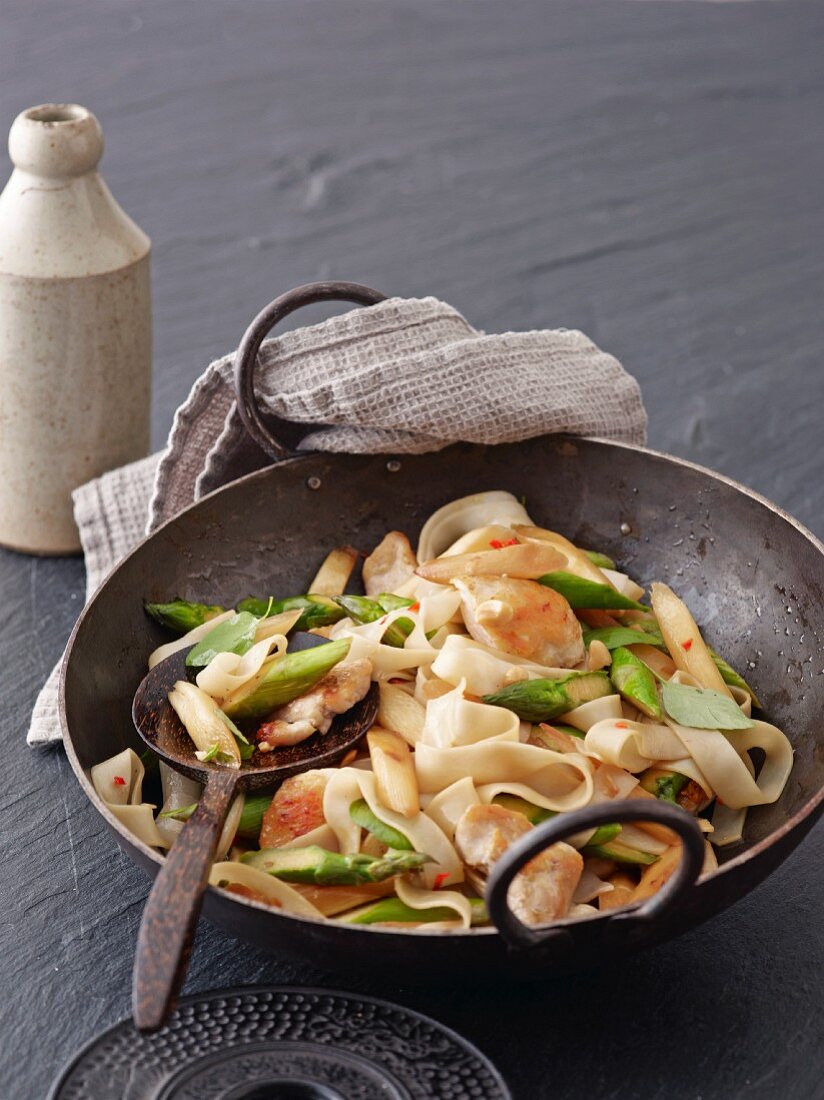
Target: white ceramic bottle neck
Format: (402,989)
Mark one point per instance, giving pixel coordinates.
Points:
(56,141)
(58,218)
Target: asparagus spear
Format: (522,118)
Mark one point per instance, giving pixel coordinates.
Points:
(361,814)
(316,866)
(395,911)
(634,681)
(251,817)
(315,610)
(285,678)
(534,814)
(614,850)
(543,700)
(604,835)
(614,636)
(181,616)
(364,610)
(731,677)
(580,592)
(599,559)
(234,635)
(664,785)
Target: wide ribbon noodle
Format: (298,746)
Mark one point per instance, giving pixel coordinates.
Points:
(118,781)
(346,785)
(460,517)
(633,746)
(454,720)
(456,778)
(481,668)
(563,779)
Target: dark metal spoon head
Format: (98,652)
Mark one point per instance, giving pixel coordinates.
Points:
(159,726)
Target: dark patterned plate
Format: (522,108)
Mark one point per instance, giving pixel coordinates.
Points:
(281,1043)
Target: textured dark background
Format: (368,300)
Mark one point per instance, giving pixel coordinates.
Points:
(648,172)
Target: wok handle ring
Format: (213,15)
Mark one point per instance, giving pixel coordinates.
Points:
(636,921)
(247,353)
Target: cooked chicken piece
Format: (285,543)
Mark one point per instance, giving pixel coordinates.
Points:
(390,564)
(313,712)
(543,890)
(523,618)
(297,808)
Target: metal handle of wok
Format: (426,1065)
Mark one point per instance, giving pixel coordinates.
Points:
(262,430)
(631,924)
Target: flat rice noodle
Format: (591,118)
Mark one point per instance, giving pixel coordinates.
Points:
(633,746)
(227,673)
(778,757)
(727,825)
(279,894)
(448,806)
(126,765)
(479,539)
(454,520)
(590,887)
(610,783)
(564,779)
(199,632)
(721,764)
(635,837)
(416,898)
(452,720)
(438,609)
(483,668)
(139,820)
(623,584)
(125,799)
(598,710)
(347,785)
(429,686)
(386,660)
(324,836)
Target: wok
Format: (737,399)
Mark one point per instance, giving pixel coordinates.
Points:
(752,576)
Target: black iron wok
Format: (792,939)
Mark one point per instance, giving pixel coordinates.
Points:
(752,576)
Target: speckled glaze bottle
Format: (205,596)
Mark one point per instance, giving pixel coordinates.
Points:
(75,328)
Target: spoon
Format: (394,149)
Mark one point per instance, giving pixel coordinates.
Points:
(170,917)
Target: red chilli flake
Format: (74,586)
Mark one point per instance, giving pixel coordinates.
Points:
(621,726)
(496,544)
(415,607)
(119,781)
(440,880)
(687,644)
(511,542)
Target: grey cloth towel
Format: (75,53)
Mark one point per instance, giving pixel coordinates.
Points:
(402,376)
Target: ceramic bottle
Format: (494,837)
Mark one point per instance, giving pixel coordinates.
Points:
(75,328)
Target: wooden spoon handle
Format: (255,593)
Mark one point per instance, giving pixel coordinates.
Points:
(167,930)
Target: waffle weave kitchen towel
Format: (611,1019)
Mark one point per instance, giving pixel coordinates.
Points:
(407,375)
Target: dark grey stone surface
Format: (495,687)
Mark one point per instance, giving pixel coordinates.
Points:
(648,172)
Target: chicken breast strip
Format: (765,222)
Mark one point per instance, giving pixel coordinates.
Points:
(521,617)
(542,891)
(313,712)
(390,564)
